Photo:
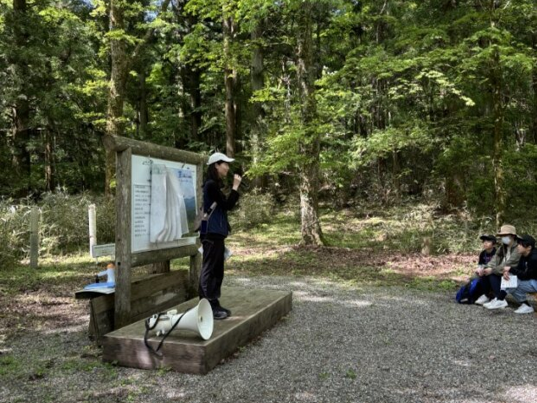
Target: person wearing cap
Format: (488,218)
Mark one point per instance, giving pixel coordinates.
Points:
(526,272)
(486,255)
(218,228)
(506,257)
(488,252)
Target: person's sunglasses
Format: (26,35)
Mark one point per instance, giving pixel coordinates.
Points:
(524,245)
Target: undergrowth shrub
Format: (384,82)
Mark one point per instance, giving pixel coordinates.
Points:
(63,225)
(254,209)
(14,231)
(64,221)
(416,227)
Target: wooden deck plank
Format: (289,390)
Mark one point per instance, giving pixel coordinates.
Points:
(253,311)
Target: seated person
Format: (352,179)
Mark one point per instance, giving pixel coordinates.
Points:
(506,256)
(526,272)
(486,255)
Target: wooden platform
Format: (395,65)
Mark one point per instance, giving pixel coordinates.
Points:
(152,293)
(253,311)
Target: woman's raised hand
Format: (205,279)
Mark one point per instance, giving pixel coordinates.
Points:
(237,179)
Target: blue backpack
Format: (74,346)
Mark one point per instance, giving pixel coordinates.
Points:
(470,292)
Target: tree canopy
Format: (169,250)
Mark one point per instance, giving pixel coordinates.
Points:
(341,100)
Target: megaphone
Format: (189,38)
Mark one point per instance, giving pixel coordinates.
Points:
(198,320)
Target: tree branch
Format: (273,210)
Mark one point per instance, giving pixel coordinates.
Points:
(147,36)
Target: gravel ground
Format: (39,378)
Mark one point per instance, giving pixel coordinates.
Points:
(339,344)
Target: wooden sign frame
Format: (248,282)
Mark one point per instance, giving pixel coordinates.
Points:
(125,148)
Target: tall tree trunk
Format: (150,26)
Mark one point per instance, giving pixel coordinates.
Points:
(115,125)
(534,85)
(230,78)
(190,73)
(258,82)
(309,147)
(194,92)
(50,183)
(20,131)
(143,112)
(498,116)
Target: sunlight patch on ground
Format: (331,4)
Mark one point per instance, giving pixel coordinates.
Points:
(521,394)
(243,280)
(314,298)
(463,363)
(298,284)
(305,397)
(405,300)
(82,327)
(3,339)
(357,303)
(175,394)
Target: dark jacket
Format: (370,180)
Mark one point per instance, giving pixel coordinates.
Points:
(484,257)
(218,222)
(527,267)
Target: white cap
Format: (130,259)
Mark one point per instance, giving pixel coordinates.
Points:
(217,157)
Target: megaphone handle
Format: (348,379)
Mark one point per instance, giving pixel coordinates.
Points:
(148,327)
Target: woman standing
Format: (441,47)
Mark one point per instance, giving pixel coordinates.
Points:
(212,269)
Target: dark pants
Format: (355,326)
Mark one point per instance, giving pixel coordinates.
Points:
(492,283)
(212,269)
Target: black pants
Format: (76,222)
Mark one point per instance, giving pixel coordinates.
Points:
(492,283)
(212,269)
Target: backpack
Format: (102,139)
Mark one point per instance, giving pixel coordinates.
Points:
(470,292)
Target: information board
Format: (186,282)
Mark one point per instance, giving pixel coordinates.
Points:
(171,176)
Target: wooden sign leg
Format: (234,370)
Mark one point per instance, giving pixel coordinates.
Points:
(194,275)
(123,240)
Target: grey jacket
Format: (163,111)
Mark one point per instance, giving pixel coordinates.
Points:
(505,256)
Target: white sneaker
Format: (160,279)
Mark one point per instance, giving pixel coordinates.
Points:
(496,304)
(525,309)
(490,302)
(482,300)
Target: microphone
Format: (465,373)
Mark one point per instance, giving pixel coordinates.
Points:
(245,184)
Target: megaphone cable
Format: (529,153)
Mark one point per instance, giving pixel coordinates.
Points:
(148,328)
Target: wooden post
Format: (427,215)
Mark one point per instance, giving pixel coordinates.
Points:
(195,260)
(194,275)
(92,228)
(123,239)
(34,237)
(125,309)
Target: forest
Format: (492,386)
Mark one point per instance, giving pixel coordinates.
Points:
(379,141)
(339,102)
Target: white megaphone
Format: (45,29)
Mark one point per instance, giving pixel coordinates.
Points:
(198,320)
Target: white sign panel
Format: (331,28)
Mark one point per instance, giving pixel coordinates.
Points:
(163,224)
(108,249)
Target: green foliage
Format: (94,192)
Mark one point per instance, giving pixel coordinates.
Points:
(14,231)
(404,94)
(254,209)
(63,225)
(65,221)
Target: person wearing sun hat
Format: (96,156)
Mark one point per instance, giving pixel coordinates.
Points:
(507,256)
(526,272)
(218,228)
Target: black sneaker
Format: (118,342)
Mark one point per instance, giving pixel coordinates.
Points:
(219,314)
(220,307)
(225,310)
